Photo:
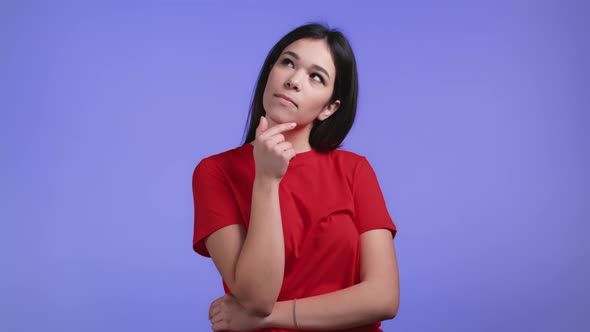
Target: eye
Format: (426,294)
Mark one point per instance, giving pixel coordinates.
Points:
(288,62)
(318,78)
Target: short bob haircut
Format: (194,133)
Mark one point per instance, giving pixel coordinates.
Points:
(325,135)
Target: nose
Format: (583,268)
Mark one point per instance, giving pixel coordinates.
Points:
(292,82)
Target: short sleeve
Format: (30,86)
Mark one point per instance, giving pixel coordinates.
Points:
(369,204)
(215,205)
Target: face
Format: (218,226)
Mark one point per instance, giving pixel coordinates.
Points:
(300,84)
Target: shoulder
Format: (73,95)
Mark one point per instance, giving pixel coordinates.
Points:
(349,159)
(348,165)
(223,161)
(357,167)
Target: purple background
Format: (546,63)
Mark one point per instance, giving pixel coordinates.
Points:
(474,115)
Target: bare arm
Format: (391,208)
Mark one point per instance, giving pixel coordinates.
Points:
(374,299)
(252,263)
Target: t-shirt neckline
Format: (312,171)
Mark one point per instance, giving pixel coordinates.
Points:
(299,157)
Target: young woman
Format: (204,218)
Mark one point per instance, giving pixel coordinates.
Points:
(297,228)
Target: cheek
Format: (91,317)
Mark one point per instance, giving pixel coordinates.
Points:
(318,100)
(271,83)
(273,77)
(267,90)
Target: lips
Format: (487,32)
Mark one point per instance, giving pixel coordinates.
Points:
(286,98)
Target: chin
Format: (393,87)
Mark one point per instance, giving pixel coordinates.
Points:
(280,115)
(278,118)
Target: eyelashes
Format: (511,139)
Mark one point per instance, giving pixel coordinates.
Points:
(287,61)
(315,76)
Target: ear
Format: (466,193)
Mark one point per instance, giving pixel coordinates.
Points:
(329,110)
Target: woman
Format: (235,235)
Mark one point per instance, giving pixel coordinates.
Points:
(298,229)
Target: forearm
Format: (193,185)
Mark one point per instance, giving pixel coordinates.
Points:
(261,264)
(358,305)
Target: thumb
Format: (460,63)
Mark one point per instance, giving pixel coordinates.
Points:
(262,126)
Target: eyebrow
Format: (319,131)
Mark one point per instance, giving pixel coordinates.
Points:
(293,54)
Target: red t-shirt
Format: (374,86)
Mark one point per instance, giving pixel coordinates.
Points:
(327,200)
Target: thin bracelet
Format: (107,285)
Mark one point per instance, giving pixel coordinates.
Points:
(294,316)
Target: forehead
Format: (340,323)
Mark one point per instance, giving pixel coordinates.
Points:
(313,52)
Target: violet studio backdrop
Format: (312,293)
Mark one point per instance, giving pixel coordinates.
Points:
(474,115)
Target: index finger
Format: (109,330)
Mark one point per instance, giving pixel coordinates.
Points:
(278,129)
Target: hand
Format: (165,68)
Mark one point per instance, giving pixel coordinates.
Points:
(271,152)
(226,313)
